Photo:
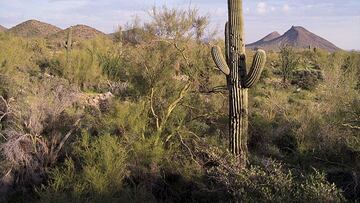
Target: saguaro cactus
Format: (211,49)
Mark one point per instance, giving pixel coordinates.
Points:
(68,43)
(239,78)
(68,46)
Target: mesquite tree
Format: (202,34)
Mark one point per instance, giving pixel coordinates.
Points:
(239,78)
(289,61)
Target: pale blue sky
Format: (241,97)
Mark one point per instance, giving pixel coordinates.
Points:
(336,20)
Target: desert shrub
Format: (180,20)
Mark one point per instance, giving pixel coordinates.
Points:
(94,173)
(116,70)
(289,62)
(271,182)
(50,66)
(83,69)
(17,54)
(261,140)
(177,23)
(82,66)
(326,125)
(307,79)
(31,130)
(163,136)
(147,156)
(317,188)
(125,119)
(272,123)
(113,67)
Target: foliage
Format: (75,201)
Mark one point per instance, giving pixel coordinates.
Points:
(289,61)
(100,171)
(270,182)
(144,118)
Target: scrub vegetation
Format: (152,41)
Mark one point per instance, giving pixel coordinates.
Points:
(143,117)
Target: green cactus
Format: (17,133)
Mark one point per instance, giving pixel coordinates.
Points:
(239,79)
(68,46)
(68,43)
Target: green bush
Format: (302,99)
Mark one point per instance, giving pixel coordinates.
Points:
(271,182)
(163,135)
(95,171)
(289,62)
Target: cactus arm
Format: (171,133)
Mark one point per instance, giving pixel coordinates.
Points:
(256,69)
(219,60)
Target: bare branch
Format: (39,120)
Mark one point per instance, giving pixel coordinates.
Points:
(66,137)
(351,126)
(171,108)
(175,103)
(182,54)
(7,106)
(152,108)
(215,90)
(188,148)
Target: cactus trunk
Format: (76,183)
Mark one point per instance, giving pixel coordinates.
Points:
(238,96)
(238,78)
(68,46)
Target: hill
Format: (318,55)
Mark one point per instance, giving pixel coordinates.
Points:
(79,32)
(297,37)
(269,37)
(33,28)
(2,28)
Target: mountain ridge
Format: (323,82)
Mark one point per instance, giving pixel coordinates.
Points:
(297,37)
(33,28)
(270,37)
(2,28)
(78,32)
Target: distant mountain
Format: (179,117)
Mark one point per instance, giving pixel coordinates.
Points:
(2,28)
(269,37)
(79,32)
(33,28)
(297,37)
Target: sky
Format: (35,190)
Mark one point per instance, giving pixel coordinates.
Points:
(335,20)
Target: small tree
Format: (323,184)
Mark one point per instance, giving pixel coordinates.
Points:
(289,62)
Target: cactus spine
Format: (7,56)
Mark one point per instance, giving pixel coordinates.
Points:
(239,79)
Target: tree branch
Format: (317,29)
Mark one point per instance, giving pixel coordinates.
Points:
(152,109)
(61,144)
(172,106)
(351,126)
(7,109)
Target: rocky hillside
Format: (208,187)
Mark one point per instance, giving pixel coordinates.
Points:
(33,28)
(2,28)
(297,37)
(79,32)
(269,37)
